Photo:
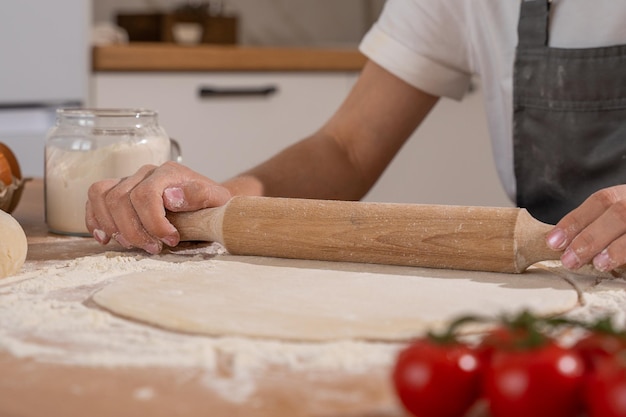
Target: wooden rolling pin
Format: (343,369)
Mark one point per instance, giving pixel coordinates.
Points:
(435,236)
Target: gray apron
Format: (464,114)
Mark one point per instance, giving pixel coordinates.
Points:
(569,123)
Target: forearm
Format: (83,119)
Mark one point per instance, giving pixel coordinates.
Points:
(340,161)
(316,167)
(348,154)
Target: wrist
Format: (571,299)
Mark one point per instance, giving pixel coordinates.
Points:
(244,185)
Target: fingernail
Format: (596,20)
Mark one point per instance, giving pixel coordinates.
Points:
(122,241)
(170,240)
(153,248)
(99,235)
(602,261)
(556,239)
(175,197)
(570,260)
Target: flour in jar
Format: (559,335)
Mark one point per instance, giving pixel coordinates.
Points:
(70,173)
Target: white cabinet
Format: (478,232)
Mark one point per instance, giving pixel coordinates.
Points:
(448,161)
(242,119)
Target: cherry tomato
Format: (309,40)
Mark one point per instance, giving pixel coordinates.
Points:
(435,379)
(599,345)
(499,338)
(542,381)
(605,389)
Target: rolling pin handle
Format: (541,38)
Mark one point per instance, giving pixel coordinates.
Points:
(530,237)
(201,226)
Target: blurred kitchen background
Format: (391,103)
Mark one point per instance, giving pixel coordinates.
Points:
(46,61)
(271,22)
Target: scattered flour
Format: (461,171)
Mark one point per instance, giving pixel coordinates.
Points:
(607,298)
(46,315)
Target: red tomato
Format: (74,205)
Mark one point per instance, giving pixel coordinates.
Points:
(542,381)
(605,389)
(599,345)
(500,338)
(437,380)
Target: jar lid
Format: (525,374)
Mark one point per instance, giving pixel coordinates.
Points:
(105,112)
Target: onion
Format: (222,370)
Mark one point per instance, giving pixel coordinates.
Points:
(11,182)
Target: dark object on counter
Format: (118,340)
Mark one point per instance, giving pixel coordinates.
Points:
(142,27)
(161,27)
(215,29)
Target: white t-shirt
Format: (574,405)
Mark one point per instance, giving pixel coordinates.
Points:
(438,45)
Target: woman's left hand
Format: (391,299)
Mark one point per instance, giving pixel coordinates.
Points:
(594,232)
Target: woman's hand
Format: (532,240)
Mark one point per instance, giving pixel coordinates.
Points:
(132,210)
(595,232)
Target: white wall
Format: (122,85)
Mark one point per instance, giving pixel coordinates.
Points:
(275,22)
(448,160)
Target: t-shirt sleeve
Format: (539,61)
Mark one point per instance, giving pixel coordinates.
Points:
(422,42)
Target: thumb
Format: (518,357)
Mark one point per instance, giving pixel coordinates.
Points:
(191,197)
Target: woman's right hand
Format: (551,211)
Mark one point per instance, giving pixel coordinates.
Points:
(132,210)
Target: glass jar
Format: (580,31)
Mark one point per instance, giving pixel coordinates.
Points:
(89,145)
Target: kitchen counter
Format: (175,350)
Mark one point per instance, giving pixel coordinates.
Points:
(61,355)
(86,378)
(172,57)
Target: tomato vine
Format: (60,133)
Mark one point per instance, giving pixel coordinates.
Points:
(517,368)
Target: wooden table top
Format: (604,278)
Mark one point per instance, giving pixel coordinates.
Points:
(31,387)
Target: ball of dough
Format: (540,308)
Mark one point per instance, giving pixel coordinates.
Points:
(13,245)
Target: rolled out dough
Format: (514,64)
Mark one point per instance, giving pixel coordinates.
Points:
(322,301)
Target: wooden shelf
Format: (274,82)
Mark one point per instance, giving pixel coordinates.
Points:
(172,57)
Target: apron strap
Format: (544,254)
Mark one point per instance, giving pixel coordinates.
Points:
(532,29)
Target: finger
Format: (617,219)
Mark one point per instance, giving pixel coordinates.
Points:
(97,217)
(604,233)
(129,228)
(94,227)
(602,239)
(182,189)
(176,188)
(195,196)
(612,257)
(571,225)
